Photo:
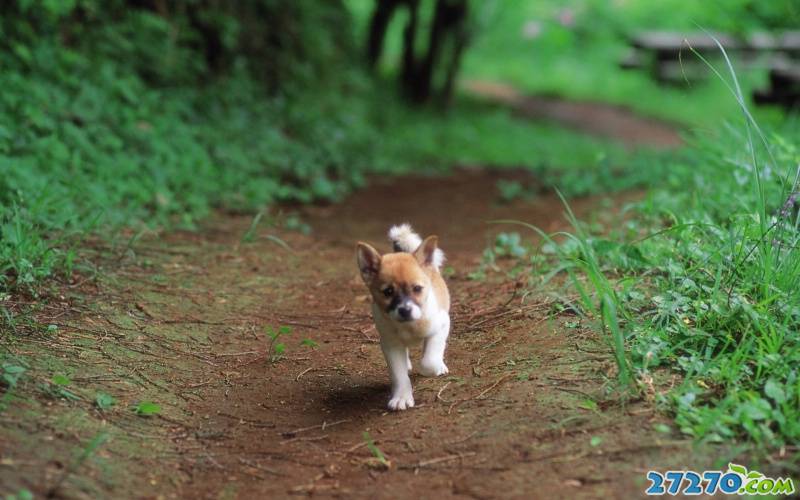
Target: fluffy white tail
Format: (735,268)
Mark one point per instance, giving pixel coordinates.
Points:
(405,239)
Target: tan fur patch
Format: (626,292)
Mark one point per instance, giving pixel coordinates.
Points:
(402,271)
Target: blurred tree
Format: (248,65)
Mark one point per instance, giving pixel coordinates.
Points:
(430,74)
(284,44)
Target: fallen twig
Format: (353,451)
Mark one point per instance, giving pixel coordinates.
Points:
(322,426)
(297,378)
(439,394)
(434,461)
(481,394)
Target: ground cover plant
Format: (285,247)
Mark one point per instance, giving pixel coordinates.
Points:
(106,127)
(701,279)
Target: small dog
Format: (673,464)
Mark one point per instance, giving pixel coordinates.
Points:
(410,305)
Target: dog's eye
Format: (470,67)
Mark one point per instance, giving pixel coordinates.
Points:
(417,288)
(389,291)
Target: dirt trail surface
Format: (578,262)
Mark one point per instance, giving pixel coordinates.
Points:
(175,329)
(601,119)
(524,412)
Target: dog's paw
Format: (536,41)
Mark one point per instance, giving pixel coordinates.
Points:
(401,401)
(433,369)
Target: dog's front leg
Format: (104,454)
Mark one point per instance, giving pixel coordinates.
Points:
(432,364)
(396,355)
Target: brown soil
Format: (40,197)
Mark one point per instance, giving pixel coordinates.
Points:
(509,420)
(180,319)
(524,413)
(597,118)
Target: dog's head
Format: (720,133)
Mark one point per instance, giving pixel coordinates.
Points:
(399,282)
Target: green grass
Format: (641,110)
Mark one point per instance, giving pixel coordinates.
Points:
(577,50)
(167,157)
(572,49)
(472,133)
(702,279)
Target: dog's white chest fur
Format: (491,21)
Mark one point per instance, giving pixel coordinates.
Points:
(432,321)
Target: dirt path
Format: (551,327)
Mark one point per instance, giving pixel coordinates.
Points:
(596,118)
(181,319)
(524,412)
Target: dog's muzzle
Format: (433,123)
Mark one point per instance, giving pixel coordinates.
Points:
(404,310)
(404,313)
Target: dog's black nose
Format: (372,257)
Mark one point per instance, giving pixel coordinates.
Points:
(404,312)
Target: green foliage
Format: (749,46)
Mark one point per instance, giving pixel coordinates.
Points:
(104,401)
(23,494)
(376,452)
(512,190)
(127,116)
(12,372)
(473,133)
(112,119)
(572,49)
(57,388)
(309,343)
(711,289)
(147,409)
(277,349)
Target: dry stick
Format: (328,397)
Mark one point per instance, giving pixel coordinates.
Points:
(566,457)
(254,423)
(501,379)
(362,332)
(459,441)
(188,321)
(483,393)
(264,355)
(434,461)
(439,394)
(323,426)
(243,353)
(297,378)
(355,447)
(250,463)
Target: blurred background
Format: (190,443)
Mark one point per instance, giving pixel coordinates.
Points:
(149,113)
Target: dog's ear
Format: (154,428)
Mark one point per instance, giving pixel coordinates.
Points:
(369,261)
(424,253)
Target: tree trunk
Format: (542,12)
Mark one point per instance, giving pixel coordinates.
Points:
(417,75)
(384,10)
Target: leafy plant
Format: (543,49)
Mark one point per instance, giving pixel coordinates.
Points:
(57,388)
(703,279)
(23,494)
(277,348)
(147,409)
(104,401)
(376,452)
(309,343)
(13,370)
(512,190)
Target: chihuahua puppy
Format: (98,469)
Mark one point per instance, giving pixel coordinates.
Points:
(410,306)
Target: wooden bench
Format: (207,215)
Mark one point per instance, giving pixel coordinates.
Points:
(784,85)
(670,56)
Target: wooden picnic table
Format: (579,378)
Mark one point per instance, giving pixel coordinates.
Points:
(669,56)
(784,85)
